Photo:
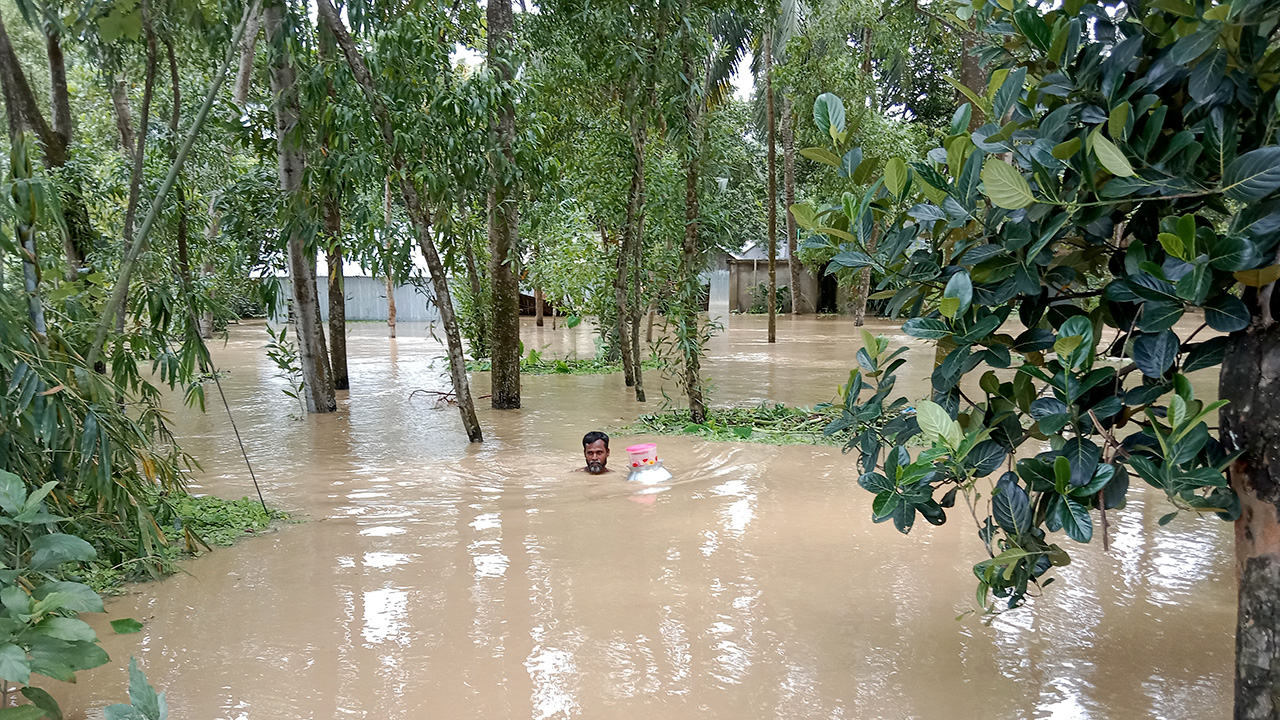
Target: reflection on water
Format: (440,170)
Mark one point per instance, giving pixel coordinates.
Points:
(439,579)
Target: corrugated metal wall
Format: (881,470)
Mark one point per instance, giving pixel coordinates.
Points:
(367,300)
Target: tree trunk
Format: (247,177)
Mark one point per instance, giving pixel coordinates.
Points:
(248,49)
(211,234)
(1250,381)
(390,277)
(863,289)
(139,153)
(789,199)
(175,114)
(337,300)
(631,253)
(503,218)
(413,206)
(620,296)
(318,385)
(119,90)
(688,332)
(537,306)
(772,229)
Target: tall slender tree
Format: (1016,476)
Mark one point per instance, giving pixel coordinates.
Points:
(417,216)
(503,211)
(318,384)
(772,230)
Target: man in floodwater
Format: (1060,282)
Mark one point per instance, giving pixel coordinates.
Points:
(595,447)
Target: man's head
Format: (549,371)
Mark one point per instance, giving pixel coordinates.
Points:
(595,446)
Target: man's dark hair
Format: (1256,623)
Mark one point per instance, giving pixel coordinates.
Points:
(594,436)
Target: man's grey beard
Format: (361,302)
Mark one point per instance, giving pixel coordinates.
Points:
(595,468)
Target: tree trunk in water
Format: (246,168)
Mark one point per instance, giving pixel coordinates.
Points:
(413,206)
(318,390)
(337,305)
(503,219)
(631,252)
(1250,381)
(620,296)
(248,48)
(772,300)
(864,283)
(537,306)
(687,331)
(789,199)
(477,293)
(391,279)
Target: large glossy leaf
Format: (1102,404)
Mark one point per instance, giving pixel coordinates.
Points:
(1074,520)
(1234,253)
(1005,186)
(822,155)
(1111,157)
(1205,354)
(850,162)
(926,328)
(960,289)
(1011,506)
(50,551)
(1226,313)
(828,114)
(1254,175)
(1083,455)
(895,176)
(985,458)
(1155,354)
(14,665)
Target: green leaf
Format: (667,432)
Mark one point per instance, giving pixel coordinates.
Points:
(926,328)
(1155,354)
(822,155)
(961,119)
(1226,313)
(1254,175)
(828,115)
(978,103)
(13,492)
(1011,507)
(65,628)
(895,176)
(71,596)
(804,214)
(1196,44)
(14,665)
(1065,150)
(50,551)
(1172,244)
(959,288)
(142,696)
(44,701)
(935,423)
(1005,186)
(1234,253)
(1111,158)
(1118,120)
(1075,520)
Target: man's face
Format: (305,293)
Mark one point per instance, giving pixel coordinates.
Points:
(597,457)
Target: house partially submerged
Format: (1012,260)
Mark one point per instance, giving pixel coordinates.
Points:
(744,280)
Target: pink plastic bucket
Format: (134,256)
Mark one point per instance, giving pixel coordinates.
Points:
(642,455)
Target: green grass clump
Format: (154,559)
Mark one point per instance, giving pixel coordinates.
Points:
(566,366)
(771,423)
(192,524)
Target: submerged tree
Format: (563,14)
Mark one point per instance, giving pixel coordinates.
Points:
(503,210)
(1125,170)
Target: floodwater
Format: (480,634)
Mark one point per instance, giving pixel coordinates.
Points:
(436,579)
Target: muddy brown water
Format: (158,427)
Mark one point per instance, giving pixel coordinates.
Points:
(437,579)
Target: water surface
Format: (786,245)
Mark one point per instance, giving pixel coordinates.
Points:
(437,579)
